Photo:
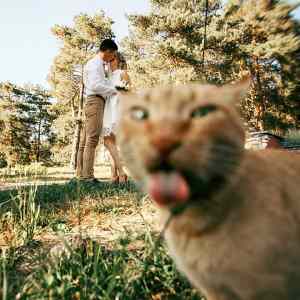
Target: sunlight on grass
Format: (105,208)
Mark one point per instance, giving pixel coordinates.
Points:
(19,171)
(74,241)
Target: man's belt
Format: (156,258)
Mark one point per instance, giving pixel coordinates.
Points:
(91,96)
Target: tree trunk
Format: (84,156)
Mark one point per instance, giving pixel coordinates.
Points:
(75,145)
(76,138)
(260,107)
(38,150)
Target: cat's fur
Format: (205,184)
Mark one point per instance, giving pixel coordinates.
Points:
(239,235)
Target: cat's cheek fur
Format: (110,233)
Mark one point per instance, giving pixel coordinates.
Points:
(241,242)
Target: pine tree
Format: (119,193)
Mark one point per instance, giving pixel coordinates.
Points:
(79,43)
(183,41)
(167,45)
(262,38)
(26,125)
(40,119)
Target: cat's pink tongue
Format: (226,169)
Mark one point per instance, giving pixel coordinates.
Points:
(168,188)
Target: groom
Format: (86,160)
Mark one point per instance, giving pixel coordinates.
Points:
(97,88)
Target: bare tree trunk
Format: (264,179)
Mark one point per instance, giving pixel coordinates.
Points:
(76,138)
(75,145)
(38,154)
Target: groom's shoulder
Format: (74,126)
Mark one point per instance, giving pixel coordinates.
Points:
(94,61)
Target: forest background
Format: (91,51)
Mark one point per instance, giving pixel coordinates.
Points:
(175,41)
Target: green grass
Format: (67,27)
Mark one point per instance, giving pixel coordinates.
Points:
(95,271)
(108,240)
(53,193)
(23,215)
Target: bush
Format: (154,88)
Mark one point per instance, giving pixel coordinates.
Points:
(3,162)
(61,155)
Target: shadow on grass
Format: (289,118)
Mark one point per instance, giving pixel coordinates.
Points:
(59,193)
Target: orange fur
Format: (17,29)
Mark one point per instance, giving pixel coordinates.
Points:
(238,238)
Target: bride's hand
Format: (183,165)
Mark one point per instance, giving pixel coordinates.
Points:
(125,77)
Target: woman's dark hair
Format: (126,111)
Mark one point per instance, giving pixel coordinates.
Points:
(108,44)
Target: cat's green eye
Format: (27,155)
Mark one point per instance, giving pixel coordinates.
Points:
(202,111)
(139,113)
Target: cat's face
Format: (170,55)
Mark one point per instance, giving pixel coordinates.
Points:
(182,142)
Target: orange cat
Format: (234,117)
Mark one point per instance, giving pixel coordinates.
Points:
(235,230)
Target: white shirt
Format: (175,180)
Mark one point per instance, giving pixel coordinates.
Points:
(94,79)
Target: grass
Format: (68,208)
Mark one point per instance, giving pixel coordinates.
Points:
(27,171)
(71,241)
(120,270)
(22,216)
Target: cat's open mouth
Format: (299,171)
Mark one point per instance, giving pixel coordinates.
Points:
(168,186)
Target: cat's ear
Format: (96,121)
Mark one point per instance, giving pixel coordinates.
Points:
(238,90)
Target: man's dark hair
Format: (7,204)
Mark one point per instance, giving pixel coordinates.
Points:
(108,44)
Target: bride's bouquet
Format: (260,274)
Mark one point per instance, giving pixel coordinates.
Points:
(122,86)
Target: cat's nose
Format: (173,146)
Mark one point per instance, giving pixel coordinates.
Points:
(165,143)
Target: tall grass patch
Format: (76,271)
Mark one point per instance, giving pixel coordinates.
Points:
(130,268)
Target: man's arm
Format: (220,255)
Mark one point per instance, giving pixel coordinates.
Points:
(96,82)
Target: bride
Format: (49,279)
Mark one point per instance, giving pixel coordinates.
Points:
(120,79)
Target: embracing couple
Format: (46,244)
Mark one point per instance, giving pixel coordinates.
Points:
(103,76)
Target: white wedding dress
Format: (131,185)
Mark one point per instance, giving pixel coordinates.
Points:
(111,107)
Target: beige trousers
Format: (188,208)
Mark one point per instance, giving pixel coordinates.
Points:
(89,138)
